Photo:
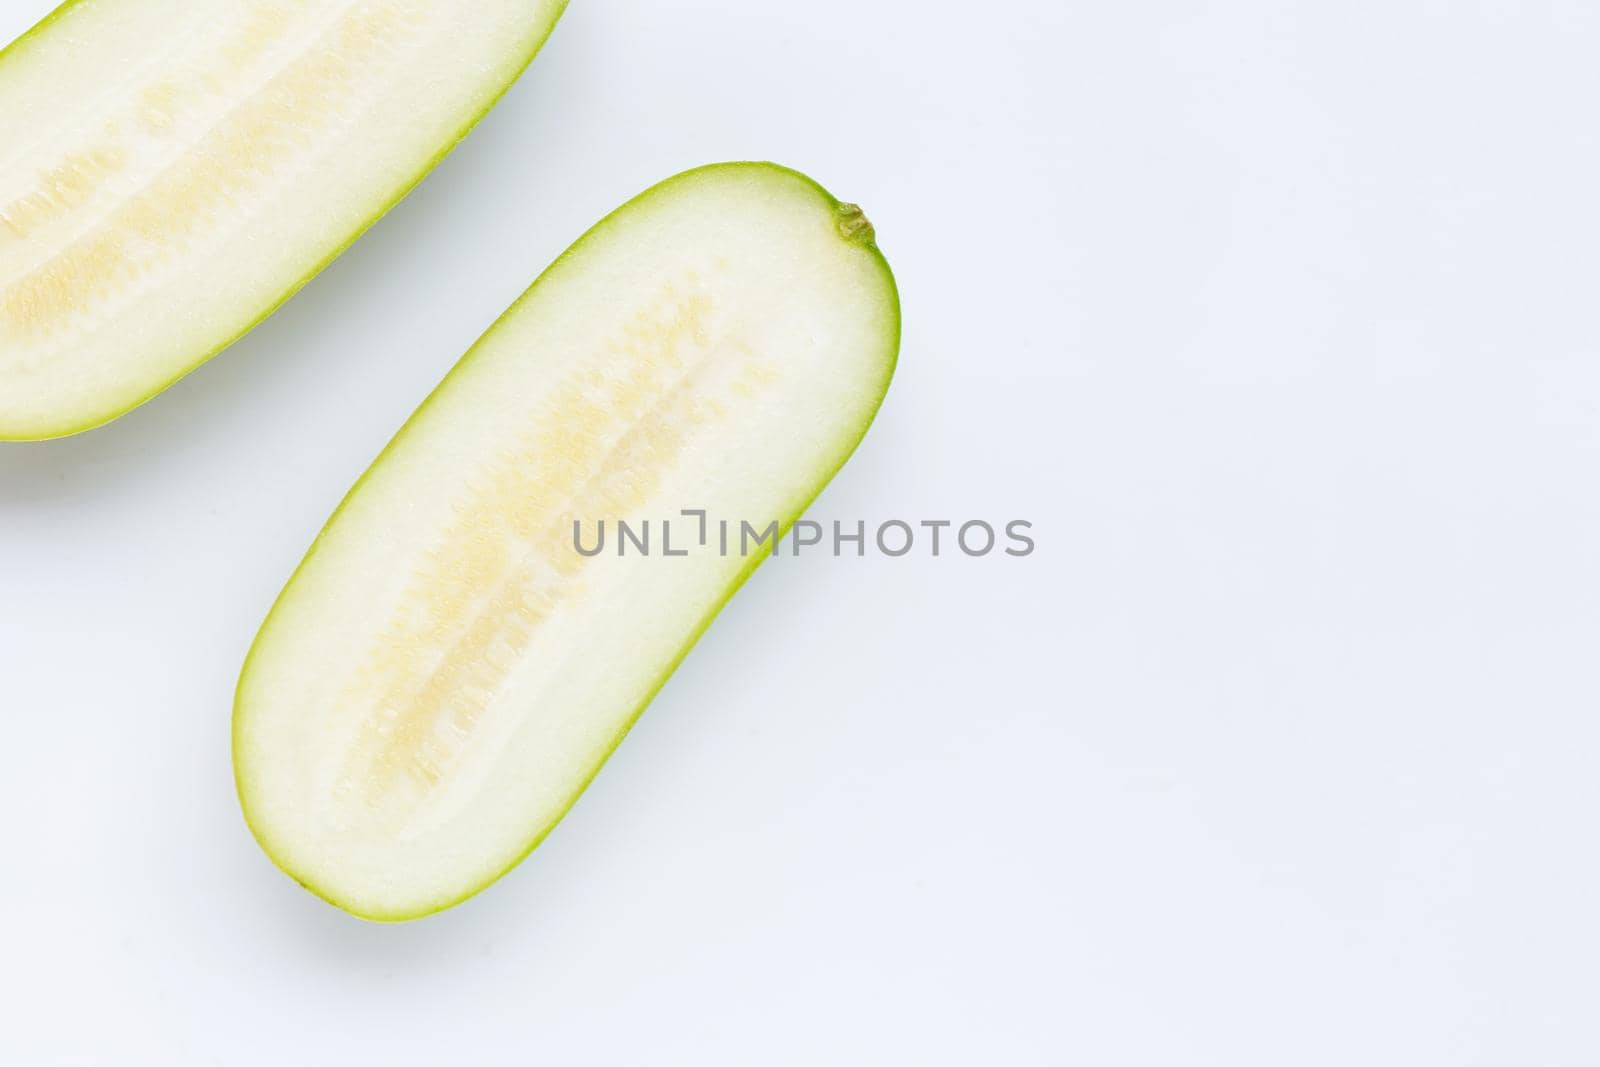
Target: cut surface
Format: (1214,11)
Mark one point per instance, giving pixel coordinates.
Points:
(172,170)
(447,670)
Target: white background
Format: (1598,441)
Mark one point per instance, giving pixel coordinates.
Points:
(1278,319)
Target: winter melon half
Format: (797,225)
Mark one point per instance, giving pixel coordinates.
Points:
(172,170)
(450,666)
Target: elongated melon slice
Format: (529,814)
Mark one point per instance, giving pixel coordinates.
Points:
(172,170)
(451,665)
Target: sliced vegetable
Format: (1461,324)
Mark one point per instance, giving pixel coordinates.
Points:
(171,172)
(451,665)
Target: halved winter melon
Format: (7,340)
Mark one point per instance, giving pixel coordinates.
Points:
(172,170)
(451,664)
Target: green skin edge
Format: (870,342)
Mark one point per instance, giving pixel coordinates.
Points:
(862,237)
(96,421)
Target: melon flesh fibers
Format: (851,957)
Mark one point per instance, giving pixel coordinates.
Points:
(446,671)
(172,170)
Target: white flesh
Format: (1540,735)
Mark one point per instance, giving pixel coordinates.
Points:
(171,170)
(445,672)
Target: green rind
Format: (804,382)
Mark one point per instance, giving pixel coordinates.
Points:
(865,241)
(96,421)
